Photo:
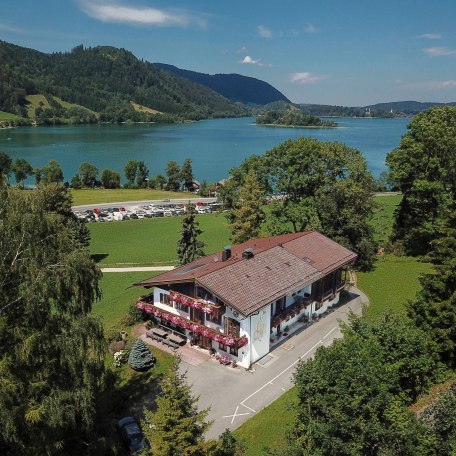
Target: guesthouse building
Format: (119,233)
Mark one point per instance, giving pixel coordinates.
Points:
(239,302)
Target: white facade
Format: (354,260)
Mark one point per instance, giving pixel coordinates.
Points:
(256,327)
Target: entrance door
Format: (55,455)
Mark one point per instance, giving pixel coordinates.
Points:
(197,315)
(205,342)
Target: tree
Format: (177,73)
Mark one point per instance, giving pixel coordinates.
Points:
(140,358)
(52,173)
(142,173)
(38,172)
(228,445)
(131,169)
(22,169)
(186,175)
(173,174)
(440,421)
(5,168)
(76,182)
(110,179)
(189,247)
(88,174)
(315,185)
(51,348)
(352,396)
(434,310)
(247,215)
(424,168)
(178,426)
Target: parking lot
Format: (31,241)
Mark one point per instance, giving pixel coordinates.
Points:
(134,211)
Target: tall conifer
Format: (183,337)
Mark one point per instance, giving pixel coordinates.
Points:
(189,247)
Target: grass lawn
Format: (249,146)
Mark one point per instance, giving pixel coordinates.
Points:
(103,196)
(118,294)
(393,281)
(151,241)
(7,116)
(267,428)
(382,220)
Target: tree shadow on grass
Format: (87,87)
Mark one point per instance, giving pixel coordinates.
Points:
(98,257)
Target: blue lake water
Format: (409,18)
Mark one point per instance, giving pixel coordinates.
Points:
(215,146)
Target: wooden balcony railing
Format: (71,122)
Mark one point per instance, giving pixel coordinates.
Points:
(291,311)
(193,326)
(201,304)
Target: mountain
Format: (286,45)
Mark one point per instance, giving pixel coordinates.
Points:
(106,80)
(407,107)
(235,87)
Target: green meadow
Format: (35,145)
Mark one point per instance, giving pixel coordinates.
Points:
(151,241)
(103,196)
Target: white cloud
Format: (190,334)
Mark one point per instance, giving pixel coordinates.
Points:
(307,78)
(242,50)
(430,36)
(9,28)
(248,60)
(138,15)
(429,85)
(310,28)
(264,32)
(439,51)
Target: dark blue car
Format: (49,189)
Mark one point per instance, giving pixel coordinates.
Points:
(131,435)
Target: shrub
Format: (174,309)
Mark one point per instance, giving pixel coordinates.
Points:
(120,358)
(137,314)
(113,334)
(127,320)
(140,358)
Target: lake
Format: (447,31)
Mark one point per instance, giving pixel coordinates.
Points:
(215,145)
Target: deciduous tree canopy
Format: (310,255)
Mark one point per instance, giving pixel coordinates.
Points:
(424,168)
(51,348)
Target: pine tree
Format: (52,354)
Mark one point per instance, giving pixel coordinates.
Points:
(140,358)
(189,247)
(178,426)
(187,173)
(247,215)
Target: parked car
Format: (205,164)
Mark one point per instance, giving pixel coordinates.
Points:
(133,216)
(132,435)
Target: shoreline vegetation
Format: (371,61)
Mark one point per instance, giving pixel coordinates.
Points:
(293,119)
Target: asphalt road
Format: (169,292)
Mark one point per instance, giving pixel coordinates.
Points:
(235,395)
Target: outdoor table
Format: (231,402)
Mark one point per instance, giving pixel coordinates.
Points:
(175,338)
(159,332)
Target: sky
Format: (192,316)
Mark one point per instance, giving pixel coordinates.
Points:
(350,53)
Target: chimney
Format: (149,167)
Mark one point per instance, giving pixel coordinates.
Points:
(247,253)
(226,254)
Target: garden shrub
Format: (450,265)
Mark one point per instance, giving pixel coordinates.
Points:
(140,358)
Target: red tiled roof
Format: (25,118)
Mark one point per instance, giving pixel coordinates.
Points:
(280,265)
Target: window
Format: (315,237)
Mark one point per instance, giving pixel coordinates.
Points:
(232,327)
(233,351)
(164,298)
(215,317)
(223,347)
(318,305)
(180,306)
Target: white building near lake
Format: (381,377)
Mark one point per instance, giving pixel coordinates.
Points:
(240,302)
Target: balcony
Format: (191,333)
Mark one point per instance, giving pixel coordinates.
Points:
(291,311)
(193,326)
(200,304)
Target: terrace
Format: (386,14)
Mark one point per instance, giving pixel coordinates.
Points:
(144,303)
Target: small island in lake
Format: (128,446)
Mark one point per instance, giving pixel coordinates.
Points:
(293,119)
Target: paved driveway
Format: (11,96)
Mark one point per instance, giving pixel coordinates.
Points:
(235,395)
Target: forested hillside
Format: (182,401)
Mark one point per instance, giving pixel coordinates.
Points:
(105,80)
(235,87)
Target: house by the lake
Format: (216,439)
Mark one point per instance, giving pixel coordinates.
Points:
(240,300)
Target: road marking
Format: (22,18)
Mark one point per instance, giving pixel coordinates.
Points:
(236,414)
(286,369)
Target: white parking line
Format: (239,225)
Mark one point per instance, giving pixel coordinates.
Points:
(270,382)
